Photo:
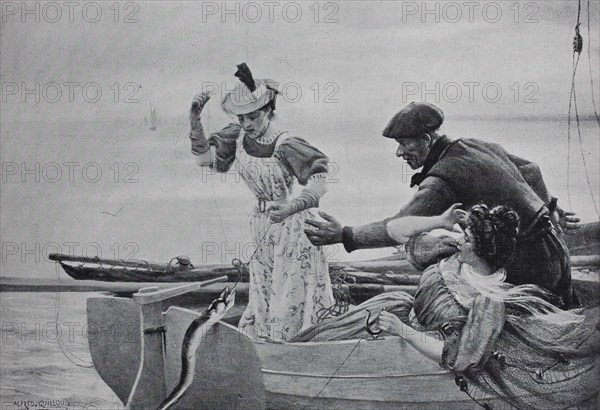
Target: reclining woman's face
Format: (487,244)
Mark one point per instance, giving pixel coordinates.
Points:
(467,250)
(255,123)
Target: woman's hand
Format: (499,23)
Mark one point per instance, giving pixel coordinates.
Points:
(453,216)
(278,212)
(198,139)
(388,322)
(428,345)
(198,103)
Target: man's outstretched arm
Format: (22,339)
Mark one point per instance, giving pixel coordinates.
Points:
(432,198)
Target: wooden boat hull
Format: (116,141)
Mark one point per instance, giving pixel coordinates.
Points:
(385,373)
(234,372)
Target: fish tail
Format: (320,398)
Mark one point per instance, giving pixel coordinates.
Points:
(191,342)
(185,380)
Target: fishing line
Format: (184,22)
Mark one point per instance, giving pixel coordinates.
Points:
(209,122)
(70,356)
(212,185)
(212,181)
(334,373)
(61,344)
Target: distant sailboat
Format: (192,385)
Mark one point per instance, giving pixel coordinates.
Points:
(153,118)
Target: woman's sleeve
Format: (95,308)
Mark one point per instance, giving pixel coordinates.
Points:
(225,143)
(301,159)
(473,345)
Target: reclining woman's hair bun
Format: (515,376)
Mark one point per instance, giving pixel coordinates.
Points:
(505,220)
(494,233)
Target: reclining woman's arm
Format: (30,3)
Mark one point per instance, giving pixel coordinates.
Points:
(401,229)
(426,344)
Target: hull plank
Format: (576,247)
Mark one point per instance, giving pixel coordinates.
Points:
(114,340)
(385,370)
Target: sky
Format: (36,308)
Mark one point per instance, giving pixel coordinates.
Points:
(346,60)
(344,67)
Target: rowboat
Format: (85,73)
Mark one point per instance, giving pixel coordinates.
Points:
(136,344)
(136,350)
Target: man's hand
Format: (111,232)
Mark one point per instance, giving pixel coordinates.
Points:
(324,233)
(568,221)
(278,212)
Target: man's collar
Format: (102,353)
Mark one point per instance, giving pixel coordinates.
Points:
(437,149)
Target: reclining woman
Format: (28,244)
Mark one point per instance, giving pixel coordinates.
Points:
(289,277)
(501,340)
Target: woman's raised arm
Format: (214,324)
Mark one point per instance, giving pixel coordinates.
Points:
(205,154)
(401,229)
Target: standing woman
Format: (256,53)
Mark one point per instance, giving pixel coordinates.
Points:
(289,277)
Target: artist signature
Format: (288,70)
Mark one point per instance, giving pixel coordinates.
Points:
(56,405)
(43,404)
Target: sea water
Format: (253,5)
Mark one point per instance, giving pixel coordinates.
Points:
(118,190)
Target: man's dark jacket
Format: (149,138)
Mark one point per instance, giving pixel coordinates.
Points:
(471,171)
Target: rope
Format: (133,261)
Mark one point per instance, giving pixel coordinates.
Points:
(590,62)
(343,299)
(577,48)
(587,175)
(575,63)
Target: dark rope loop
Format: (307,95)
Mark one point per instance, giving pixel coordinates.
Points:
(369,325)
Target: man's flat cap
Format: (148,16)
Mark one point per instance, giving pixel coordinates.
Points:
(414,120)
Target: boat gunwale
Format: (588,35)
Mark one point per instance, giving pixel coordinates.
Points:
(353,376)
(264,342)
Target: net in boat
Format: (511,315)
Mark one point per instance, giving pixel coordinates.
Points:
(343,299)
(540,365)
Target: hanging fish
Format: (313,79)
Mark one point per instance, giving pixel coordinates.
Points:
(191,342)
